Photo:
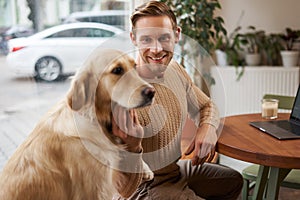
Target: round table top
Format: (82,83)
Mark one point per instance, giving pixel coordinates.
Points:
(241,141)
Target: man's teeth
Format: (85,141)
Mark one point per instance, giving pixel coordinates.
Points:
(157,58)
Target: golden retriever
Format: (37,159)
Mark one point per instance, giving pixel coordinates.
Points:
(71,153)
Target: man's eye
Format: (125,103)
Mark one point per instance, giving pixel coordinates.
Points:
(164,38)
(118,70)
(146,40)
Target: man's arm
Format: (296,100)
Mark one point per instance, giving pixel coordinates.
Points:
(201,108)
(206,136)
(206,117)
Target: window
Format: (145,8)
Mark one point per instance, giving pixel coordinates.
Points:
(63,34)
(82,32)
(101,33)
(113,18)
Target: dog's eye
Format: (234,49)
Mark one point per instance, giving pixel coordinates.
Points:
(118,70)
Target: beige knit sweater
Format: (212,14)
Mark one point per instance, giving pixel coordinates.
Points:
(176,97)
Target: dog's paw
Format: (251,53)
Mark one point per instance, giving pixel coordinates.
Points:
(147,173)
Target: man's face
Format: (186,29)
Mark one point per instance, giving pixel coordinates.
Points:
(155,39)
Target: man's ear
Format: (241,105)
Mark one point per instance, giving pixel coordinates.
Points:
(177,34)
(81,92)
(133,38)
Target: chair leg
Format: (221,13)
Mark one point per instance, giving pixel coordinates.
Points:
(245,190)
(261,181)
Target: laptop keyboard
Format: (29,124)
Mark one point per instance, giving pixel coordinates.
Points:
(289,126)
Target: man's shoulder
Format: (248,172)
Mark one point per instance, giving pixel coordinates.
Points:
(175,69)
(175,65)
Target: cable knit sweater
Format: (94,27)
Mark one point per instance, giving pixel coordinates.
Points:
(176,96)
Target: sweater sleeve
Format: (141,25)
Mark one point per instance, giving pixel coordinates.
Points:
(201,108)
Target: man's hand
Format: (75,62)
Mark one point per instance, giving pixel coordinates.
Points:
(203,144)
(126,126)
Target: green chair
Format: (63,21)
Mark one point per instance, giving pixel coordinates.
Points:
(285,102)
(292,180)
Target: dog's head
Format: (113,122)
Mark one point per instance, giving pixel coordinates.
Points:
(108,76)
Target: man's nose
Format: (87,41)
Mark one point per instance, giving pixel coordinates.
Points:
(156,47)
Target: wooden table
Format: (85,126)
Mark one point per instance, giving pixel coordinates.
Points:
(276,157)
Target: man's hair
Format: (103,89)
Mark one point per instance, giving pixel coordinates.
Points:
(153,8)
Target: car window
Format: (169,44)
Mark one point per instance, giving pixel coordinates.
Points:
(101,33)
(62,34)
(115,20)
(82,32)
(92,32)
(111,20)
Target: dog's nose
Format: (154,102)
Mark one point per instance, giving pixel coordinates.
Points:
(148,92)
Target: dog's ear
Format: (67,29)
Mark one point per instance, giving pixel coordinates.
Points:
(82,91)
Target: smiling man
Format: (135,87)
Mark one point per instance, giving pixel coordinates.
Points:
(155,34)
(156,39)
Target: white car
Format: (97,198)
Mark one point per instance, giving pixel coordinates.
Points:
(58,50)
(117,18)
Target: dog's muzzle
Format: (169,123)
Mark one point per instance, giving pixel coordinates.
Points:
(148,94)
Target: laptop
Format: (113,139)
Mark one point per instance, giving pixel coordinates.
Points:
(283,129)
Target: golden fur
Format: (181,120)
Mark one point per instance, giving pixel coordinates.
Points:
(60,158)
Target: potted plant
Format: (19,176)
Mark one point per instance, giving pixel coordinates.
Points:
(198,21)
(271,47)
(289,55)
(230,48)
(227,49)
(223,46)
(252,41)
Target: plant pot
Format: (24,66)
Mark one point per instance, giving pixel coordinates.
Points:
(289,58)
(221,57)
(253,59)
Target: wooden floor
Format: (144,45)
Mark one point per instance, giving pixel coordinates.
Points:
(286,194)
(289,194)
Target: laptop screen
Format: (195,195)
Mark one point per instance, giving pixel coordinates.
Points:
(295,115)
